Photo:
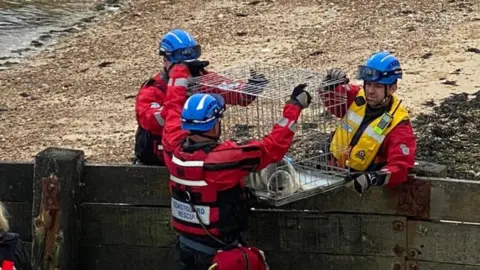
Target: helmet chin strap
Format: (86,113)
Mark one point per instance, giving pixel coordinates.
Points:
(387,97)
(167,69)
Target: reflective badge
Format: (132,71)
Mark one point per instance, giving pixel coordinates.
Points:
(383,124)
(155,105)
(405,149)
(183,211)
(360,154)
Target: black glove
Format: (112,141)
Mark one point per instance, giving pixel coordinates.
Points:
(362,182)
(257,79)
(300,97)
(197,67)
(334,75)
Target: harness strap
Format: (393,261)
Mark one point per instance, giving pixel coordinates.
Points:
(203,248)
(199,246)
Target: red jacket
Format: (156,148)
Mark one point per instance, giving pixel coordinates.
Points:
(218,169)
(149,104)
(392,152)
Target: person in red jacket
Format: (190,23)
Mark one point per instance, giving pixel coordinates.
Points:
(209,201)
(175,46)
(375,138)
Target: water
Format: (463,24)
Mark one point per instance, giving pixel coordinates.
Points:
(29,26)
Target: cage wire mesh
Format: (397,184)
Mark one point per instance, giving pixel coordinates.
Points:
(254,106)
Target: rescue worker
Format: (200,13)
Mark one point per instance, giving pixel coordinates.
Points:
(375,138)
(13,254)
(175,46)
(209,174)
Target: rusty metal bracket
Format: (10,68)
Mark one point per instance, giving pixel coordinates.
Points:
(48,237)
(51,193)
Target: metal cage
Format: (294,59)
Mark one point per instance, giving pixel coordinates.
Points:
(254,106)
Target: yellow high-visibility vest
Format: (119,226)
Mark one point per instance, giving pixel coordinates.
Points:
(362,155)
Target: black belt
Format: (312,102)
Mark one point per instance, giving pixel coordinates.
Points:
(201,247)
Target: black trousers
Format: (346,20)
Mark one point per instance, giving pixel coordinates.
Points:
(190,259)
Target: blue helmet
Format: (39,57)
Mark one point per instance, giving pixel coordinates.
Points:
(201,111)
(178,46)
(381,67)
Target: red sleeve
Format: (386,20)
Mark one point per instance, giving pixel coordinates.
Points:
(400,147)
(148,107)
(275,145)
(176,96)
(334,100)
(257,154)
(236,97)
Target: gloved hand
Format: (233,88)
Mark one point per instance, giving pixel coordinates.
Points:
(300,97)
(257,79)
(197,67)
(334,75)
(363,182)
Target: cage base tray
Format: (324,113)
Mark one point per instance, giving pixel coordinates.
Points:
(276,201)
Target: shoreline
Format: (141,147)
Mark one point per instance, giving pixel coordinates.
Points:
(47,39)
(66,97)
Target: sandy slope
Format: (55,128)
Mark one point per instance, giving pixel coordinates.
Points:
(63,98)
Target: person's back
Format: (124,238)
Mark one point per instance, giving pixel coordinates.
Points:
(13,254)
(209,201)
(148,105)
(214,173)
